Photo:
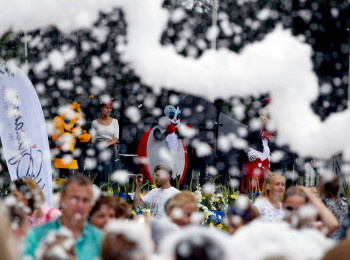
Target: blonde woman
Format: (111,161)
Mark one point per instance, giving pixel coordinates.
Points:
(269,203)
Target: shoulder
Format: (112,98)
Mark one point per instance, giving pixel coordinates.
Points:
(93,231)
(174,190)
(171,189)
(33,238)
(259,202)
(343,206)
(40,232)
(170,192)
(152,192)
(330,202)
(115,122)
(155,190)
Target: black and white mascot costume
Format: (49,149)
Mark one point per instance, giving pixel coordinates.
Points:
(162,145)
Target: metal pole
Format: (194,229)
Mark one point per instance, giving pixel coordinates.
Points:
(217,104)
(349,75)
(26,46)
(26,52)
(214,21)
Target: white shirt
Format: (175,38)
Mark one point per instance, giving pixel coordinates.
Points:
(267,211)
(157,199)
(109,132)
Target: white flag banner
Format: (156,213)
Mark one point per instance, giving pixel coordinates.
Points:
(23,131)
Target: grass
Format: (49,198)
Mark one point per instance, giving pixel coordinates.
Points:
(300,181)
(346,189)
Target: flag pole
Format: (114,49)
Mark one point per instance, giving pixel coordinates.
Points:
(25,69)
(349,73)
(214,21)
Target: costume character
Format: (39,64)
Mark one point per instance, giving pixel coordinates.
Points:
(162,145)
(257,160)
(66,133)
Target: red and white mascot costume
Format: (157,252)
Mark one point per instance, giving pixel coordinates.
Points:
(257,163)
(162,145)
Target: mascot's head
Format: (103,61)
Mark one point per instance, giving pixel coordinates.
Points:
(173,114)
(72,118)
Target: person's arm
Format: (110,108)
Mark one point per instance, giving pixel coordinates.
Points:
(116,133)
(327,217)
(138,202)
(93,132)
(256,211)
(112,142)
(257,206)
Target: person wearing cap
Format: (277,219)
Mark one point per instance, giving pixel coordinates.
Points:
(105,135)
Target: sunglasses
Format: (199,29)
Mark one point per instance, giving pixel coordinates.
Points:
(289,208)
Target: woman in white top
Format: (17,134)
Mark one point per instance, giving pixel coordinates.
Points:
(105,135)
(269,203)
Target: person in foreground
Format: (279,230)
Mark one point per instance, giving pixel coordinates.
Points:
(329,190)
(303,207)
(107,208)
(241,213)
(180,213)
(76,203)
(28,192)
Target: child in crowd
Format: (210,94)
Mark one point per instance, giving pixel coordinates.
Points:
(127,240)
(27,191)
(241,213)
(269,203)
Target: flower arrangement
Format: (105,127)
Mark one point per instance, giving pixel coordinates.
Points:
(214,206)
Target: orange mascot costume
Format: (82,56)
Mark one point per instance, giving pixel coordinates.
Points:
(66,133)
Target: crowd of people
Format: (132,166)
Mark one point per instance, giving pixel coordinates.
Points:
(94,225)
